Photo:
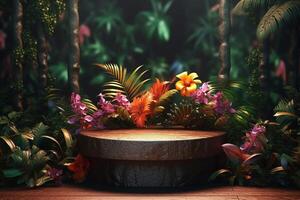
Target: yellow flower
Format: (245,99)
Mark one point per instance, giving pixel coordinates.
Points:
(187,83)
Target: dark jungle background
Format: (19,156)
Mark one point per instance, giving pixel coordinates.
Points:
(167,38)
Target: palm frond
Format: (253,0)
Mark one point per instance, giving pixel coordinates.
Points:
(285,113)
(246,5)
(285,106)
(244,115)
(89,104)
(130,85)
(228,88)
(277,16)
(166,96)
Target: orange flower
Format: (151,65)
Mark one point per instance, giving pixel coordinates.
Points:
(158,89)
(140,109)
(187,83)
(80,168)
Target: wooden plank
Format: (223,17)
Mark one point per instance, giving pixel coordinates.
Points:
(78,192)
(269,197)
(261,191)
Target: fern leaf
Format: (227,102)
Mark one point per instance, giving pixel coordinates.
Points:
(277,16)
(128,84)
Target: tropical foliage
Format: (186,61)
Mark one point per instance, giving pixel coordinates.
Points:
(132,105)
(33,156)
(269,154)
(278,14)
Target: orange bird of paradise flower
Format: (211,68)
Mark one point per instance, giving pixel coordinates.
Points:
(187,83)
(140,109)
(158,89)
(80,168)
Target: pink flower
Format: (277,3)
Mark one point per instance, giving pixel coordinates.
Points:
(221,105)
(202,94)
(106,106)
(88,118)
(281,71)
(77,106)
(121,100)
(2,40)
(55,175)
(84,31)
(254,140)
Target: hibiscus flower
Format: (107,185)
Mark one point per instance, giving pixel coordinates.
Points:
(187,83)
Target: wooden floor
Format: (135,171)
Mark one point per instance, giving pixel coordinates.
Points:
(71,192)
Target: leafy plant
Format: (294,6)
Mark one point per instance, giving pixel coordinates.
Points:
(109,17)
(279,13)
(29,154)
(205,33)
(156,22)
(130,85)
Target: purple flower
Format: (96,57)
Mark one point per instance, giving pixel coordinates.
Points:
(202,94)
(55,175)
(77,106)
(88,118)
(254,139)
(258,129)
(121,100)
(106,106)
(221,105)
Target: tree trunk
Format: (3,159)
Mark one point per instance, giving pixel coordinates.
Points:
(224,32)
(18,47)
(42,56)
(264,65)
(73,37)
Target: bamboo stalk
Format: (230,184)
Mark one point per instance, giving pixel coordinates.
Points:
(73,40)
(224,34)
(18,46)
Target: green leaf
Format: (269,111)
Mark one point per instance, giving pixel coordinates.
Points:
(12,173)
(129,84)
(42,180)
(219,173)
(68,138)
(278,114)
(278,15)
(4,120)
(166,96)
(11,145)
(252,159)
(163,30)
(277,170)
(45,140)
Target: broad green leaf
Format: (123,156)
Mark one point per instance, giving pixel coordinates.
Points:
(12,173)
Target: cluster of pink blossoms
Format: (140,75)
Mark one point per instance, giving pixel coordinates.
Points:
(93,120)
(218,102)
(254,140)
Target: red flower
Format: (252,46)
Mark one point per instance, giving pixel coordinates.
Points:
(84,31)
(80,168)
